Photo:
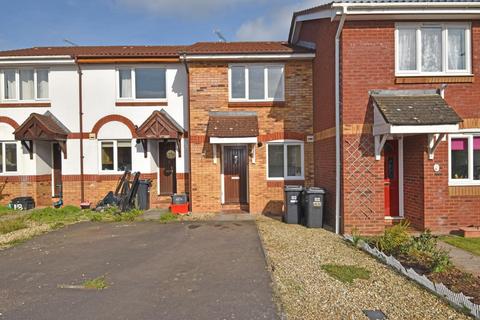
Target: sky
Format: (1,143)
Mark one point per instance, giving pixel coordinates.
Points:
(28,23)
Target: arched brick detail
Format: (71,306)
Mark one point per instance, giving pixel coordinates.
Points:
(114,117)
(9,121)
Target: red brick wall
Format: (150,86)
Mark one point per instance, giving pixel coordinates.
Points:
(368,63)
(209,92)
(37,187)
(324,107)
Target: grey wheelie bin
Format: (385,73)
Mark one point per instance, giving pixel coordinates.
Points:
(293,208)
(143,194)
(313,200)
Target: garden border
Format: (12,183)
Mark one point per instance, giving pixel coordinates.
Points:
(457,299)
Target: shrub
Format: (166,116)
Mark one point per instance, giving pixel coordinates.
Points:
(395,240)
(425,242)
(423,249)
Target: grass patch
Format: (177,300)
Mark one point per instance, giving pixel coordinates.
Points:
(5,211)
(8,226)
(168,217)
(346,274)
(52,216)
(471,245)
(99,283)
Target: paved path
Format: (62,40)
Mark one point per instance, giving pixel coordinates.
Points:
(462,259)
(212,270)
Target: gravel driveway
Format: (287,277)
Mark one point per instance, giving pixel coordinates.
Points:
(296,255)
(191,270)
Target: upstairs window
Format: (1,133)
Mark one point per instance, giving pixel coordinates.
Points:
(256,82)
(25,84)
(142,83)
(432,49)
(465,159)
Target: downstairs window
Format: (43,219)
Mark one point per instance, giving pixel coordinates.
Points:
(464,153)
(285,160)
(116,155)
(8,157)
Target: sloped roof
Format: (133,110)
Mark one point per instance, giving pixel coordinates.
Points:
(41,127)
(159,125)
(414,107)
(232,124)
(98,51)
(244,48)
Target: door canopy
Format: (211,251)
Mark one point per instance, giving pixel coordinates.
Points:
(232,127)
(160,126)
(42,127)
(408,112)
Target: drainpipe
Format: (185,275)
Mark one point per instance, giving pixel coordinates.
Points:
(80,117)
(338,166)
(187,69)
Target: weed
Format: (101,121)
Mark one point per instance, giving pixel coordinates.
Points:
(346,274)
(8,226)
(99,283)
(168,217)
(355,236)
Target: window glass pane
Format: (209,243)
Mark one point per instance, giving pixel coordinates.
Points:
(26,85)
(150,83)
(107,155)
(42,84)
(294,161)
(459,149)
(256,83)
(456,49)
(275,83)
(431,49)
(125,83)
(407,49)
(10,87)
(275,161)
(10,157)
(124,153)
(476,158)
(238,82)
(1,157)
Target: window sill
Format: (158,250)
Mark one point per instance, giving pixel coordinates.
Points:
(287,179)
(25,104)
(464,183)
(412,79)
(160,103)
(261,104)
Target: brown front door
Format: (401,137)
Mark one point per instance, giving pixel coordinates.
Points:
(57,170)
(391,182)
(235,174)
(168,168)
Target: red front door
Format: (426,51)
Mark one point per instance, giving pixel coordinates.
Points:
(390,154)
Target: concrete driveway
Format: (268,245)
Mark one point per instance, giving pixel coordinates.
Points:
(213,270)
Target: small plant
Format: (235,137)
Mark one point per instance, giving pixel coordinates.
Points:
(8,226)
(441,261)
(356,236)
(424,242)
(168,217)
(395,240)
(346,274)
(99,283)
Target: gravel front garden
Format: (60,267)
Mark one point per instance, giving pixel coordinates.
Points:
(300,260)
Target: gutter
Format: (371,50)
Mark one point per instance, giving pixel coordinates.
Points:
(80,117)
(183,58)
(338,166)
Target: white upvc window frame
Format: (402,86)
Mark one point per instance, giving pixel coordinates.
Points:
(445,26)
(3,144)
(17,85)
(115,155)
(462,182)
(247,66)
(286,143)
(133,77)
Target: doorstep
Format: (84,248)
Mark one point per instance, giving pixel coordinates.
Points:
(390,221)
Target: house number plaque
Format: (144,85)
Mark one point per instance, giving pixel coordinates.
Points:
(171,154)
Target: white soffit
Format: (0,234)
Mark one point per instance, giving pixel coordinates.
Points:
(246,140)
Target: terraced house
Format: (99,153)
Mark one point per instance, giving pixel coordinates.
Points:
(396,114)
(376,101)
(201,119)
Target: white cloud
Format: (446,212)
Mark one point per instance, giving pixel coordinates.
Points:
(275,25)
(183,7)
